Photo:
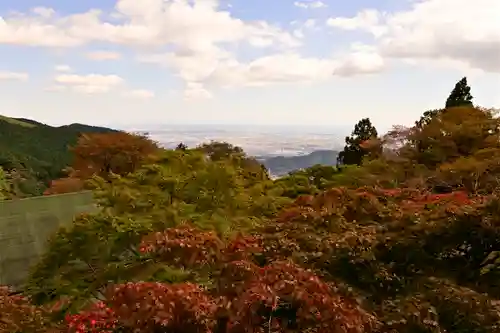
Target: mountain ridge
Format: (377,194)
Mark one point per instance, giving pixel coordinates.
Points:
(282,165)
(38,151)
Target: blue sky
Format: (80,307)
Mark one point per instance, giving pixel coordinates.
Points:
(279,62)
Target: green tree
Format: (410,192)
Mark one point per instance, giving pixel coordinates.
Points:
(178,186)
(460,95)
(251,169)
(181,146)
(353,152)
(426,118)
(453,133)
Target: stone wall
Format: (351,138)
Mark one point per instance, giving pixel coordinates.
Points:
(27,224)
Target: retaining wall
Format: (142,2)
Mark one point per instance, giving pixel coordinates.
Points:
(27,224)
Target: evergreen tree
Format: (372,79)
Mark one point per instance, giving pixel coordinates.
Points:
(181,146)
(460,96)
(353,153)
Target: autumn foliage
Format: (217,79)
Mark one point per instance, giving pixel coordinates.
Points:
(65,185)
(279,296)
(119,153)
(406,239)
(345,260)
(101,154)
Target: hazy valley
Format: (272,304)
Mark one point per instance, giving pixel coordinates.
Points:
(255,141)
(280,149)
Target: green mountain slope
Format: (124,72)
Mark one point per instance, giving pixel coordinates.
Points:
(40,150)
(282,165)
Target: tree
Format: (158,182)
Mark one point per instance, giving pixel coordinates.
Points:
(181,146)
(451,134)
(412,256)
(18,314)
(353,153)
(104,153)
(460,95)
(177,186)
(253,169)
(227,290)
(15,183)
(190,242)
(426,118)
(221,150)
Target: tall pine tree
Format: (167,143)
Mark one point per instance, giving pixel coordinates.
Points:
(353,153)
(460,96)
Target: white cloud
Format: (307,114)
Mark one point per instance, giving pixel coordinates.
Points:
(56,88)
(191,24)
(62,68)
(196,91)
(38,29)
(44,12)
(367,20)
(310,4)
(13,76)
(88,84)
(362,59)
(273,69)
(447,31)
(307,25)
(140,94)
(197,33)
(221,69)
(103,55)
(310,23)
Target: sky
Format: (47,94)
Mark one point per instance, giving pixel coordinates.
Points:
(259,62)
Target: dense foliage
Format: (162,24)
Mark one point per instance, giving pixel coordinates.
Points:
(201,240)
(354,152)
(103,155)
(460,95)
(36,153)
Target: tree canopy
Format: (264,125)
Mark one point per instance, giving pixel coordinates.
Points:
(354,152)
(460,95)
(37,153)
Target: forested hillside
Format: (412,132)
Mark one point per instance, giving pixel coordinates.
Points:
(282,165)
(403,236)
(36,153)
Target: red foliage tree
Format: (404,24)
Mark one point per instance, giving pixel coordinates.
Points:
(292,277)
(184,246)
(18,314)
(101,154)
(280,296)
(283,297)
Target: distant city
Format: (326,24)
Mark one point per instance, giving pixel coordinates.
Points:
(260,141)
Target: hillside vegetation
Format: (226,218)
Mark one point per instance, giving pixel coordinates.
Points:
(282,165)
(34,153)
(402,236)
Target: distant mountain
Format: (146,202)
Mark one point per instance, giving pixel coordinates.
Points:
(282,165)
